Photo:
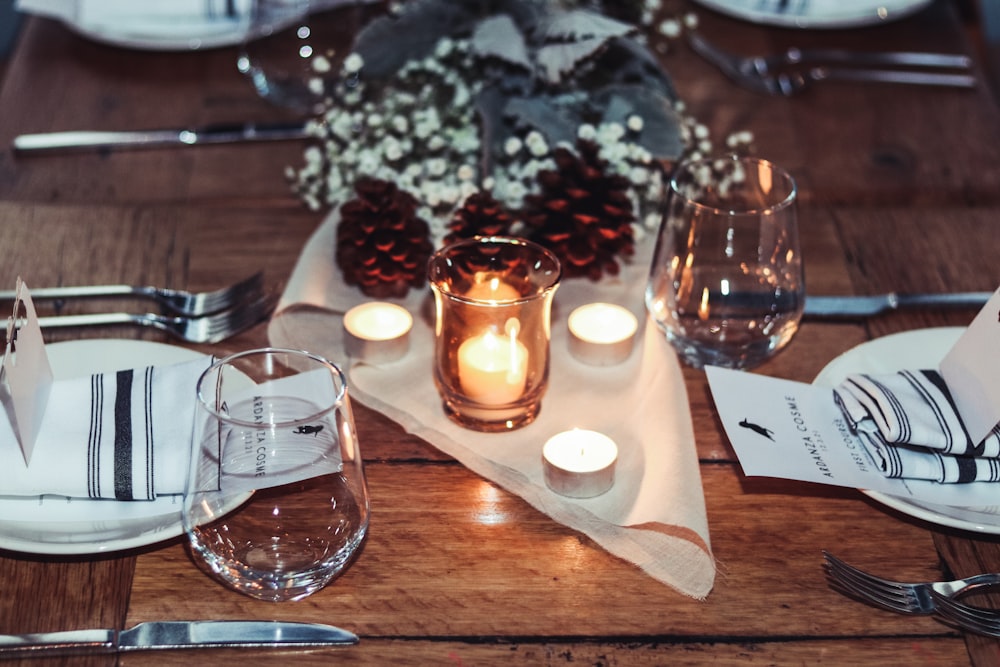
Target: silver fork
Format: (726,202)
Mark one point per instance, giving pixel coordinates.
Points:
(180,302)
(977,619)
(897,596)
(205,329)
(785,75)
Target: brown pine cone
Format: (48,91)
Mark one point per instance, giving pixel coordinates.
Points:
(480,215)
(382,245)
(582,214)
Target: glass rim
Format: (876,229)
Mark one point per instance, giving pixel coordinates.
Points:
(547,288)
(689,164)
(215,368)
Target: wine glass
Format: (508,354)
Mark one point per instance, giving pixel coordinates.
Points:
(276,503)
(726,285)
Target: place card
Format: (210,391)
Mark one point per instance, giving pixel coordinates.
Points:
(25,375)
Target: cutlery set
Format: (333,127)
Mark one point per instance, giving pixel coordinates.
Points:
(195,317)
(940,598)
(795,70)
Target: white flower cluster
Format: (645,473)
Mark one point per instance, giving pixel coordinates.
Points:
(420,134)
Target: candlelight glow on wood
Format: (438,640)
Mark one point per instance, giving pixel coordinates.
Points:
(377,332)
(579,463)
(601,334)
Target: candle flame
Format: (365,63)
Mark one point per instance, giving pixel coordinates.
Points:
(703,306)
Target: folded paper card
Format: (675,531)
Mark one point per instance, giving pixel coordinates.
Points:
(792,430)
(25,375)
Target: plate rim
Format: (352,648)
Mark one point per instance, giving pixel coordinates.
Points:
(867,17)
(930,512)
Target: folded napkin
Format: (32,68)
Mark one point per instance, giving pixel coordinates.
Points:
(910,423)
(124,435)
(654,515)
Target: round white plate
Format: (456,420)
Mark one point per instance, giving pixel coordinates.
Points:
(57,525)
(923,348)
(817,13)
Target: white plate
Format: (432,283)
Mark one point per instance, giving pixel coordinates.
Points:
(817,13)
(923,348)
(58,525)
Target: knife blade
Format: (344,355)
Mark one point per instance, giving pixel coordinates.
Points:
(212,134)
(865,306)
(177,635)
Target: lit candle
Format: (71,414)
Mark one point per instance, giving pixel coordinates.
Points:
(601,334)
(377,332)
(491,289)
(579,463)
(492,368)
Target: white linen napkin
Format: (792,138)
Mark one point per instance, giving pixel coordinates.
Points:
(124,435)
(911,426)
(654,515)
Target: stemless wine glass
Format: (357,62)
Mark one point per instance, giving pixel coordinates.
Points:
(276,503)
(726,285)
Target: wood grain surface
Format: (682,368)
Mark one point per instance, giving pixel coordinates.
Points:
(899,190)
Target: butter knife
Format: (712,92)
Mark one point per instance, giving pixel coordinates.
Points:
(177,635)
(212,134)
(865,306)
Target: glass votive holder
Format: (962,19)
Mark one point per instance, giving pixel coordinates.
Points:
(493,306)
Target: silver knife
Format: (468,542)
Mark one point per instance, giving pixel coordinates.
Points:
(864,306)
(212,134)
(177,635)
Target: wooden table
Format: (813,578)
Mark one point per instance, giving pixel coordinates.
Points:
(900,189)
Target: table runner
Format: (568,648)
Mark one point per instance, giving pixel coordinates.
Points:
(654,516)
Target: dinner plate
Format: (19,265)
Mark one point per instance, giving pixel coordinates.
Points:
(59,525)
(817,13)
(922,348)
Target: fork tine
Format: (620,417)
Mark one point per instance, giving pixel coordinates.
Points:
(890,595)
(218,327)
(210,302)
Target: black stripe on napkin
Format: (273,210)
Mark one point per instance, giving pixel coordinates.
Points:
(94,436)
(966,470)
(123,435)
(148,406)
(935,378)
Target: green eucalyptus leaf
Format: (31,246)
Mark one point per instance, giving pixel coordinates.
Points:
(499,37)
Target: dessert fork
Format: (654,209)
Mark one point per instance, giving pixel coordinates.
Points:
(205,329)
(901,597)
(180,302)
(786,75)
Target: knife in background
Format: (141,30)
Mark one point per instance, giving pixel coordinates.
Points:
(865,306)
(211,134)
(177,635)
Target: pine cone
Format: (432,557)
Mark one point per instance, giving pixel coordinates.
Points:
(582,214)
(481,215)
(382,246)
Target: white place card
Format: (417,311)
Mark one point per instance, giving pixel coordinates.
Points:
(25,374)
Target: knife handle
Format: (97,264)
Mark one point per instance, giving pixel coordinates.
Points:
(84,139)
(66,642)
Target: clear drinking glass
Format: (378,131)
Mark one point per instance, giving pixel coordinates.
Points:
(493,305)
(726,285)
(294,49)
(276,503)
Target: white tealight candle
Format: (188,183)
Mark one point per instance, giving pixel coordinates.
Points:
(377,332)
(579,463)
(601,334)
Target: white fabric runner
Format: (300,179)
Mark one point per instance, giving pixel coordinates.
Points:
(654,516)
(124,436)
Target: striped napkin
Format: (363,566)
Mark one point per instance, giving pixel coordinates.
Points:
(912,428)
(123,435)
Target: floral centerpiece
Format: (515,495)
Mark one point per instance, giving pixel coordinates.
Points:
(455,118)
